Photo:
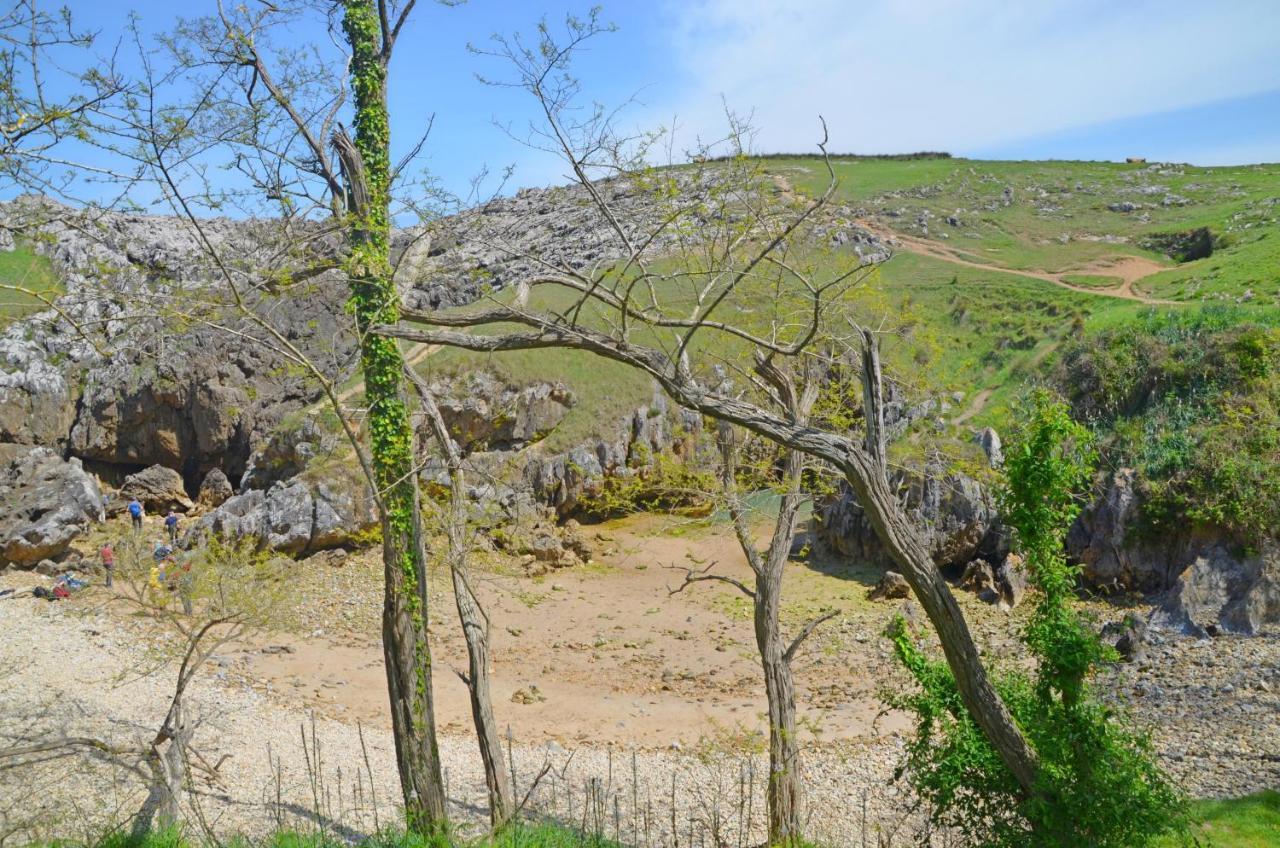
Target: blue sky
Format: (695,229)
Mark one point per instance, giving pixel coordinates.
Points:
(1178,79)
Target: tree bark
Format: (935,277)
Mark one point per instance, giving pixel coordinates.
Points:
(475,623)
(786,787)
(374,299)
(873,398)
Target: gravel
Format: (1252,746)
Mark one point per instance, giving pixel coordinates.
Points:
(76,669)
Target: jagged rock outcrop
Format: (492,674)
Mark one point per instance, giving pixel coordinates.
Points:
(159,489)
(1100,541)
(1204,578)
(288,452)
(120,376)
(48,502)
(295,517)
(484,413)
(954,513)
(1224,590)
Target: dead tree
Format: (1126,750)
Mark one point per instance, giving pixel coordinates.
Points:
(660,307)
(786,779)
(471,614)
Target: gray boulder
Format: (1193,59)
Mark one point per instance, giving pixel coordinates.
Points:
(954,514)
(1011,582)
(296,516)
(1223,590)
(159,489)
(893,586)
(45,503)
(992,448)
(214,489)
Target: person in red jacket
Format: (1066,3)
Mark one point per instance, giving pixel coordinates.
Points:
(108,555)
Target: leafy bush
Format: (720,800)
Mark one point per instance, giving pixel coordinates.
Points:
(667,484)
(1099,784)
(1192,401)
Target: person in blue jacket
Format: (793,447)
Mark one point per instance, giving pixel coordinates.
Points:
(135,514)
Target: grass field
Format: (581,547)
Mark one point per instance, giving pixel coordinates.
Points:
(1250,822)
(24,269)
(1062,215)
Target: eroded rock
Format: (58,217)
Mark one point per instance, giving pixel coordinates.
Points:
(45,503)
(893,586)
(159,489)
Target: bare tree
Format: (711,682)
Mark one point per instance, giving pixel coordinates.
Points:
(471,614)
(663,307)
(786,780)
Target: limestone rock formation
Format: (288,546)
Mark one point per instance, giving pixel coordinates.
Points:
(214,489)
(483,413)
(294,516)
(158,488)
(1222,590)
(893,586)
(954,513)
(47,502)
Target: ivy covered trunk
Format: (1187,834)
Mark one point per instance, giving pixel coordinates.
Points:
(374,300)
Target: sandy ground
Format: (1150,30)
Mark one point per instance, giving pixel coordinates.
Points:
(617,657)
(621,688)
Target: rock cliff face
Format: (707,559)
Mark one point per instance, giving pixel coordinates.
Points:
(128,373)
(1206,579)
(954,513)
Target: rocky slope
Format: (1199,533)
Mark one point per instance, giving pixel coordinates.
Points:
(159,356)
(152,359)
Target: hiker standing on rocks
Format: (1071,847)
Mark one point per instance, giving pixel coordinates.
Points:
(135,515)
(171,524)
(108,555)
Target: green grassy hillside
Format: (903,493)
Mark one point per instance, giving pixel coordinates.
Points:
(21,268)
(1060,216)
(1043,263)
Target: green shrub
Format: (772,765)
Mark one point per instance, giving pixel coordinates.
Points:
(1191,400)
(665,484)
(1099,784)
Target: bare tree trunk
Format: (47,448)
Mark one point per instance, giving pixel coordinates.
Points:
(867,477)
(474,620)
(786,787)
(873,398)
(475,627)
(786,784)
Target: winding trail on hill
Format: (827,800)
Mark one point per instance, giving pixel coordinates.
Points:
(1129,269)
(975,406)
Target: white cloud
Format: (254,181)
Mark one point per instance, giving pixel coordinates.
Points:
(897,75)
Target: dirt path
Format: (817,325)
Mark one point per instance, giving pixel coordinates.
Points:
(1129,269)
(416,358)
(975,406)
